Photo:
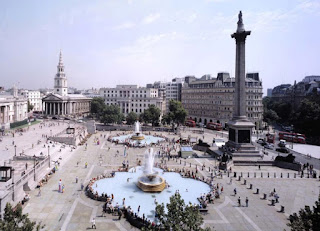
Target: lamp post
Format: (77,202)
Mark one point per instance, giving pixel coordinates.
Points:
(49,156)
(34,166)
(15,150)
(12,172)
(292,136)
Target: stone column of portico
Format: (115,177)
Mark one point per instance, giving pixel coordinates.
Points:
(50,108)
(58,108)
(240,75)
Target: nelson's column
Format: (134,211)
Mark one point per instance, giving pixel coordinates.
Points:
(240,127)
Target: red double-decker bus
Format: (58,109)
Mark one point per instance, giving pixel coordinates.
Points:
(190,123)
(214,126)
(292,137)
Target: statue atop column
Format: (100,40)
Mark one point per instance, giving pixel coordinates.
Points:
(240,23)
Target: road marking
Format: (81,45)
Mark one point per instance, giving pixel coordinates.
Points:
(89,173)
(70,213)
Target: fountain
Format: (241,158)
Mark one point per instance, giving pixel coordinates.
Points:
(137,139)
(138,135)
(150,181)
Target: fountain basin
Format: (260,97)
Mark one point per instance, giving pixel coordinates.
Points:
(137,137)
(151,183)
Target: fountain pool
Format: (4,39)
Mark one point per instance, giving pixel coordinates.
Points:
(189,190)
(137,138)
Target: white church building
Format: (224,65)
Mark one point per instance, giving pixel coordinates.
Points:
(60,103)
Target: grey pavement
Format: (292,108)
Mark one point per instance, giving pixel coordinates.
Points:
(72,210)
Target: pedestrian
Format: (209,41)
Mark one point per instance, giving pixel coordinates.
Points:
(120,214)
(62,188)
(239,202)
(77,179)
(82,186)
(60,185)
(39,193)
(86,165)
(138,208)
(235,191)
(247,201)
(93,222)
(259,166)
(230,180)
(26,166)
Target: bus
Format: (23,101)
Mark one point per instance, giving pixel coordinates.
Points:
(292,137)
(214,126)
(190,123)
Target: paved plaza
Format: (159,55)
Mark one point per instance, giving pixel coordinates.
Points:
(73,210)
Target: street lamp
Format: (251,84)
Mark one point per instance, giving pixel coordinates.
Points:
(292,136)
(49,156)
(15,150)
(34,166)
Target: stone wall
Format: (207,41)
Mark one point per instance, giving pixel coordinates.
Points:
(286,165)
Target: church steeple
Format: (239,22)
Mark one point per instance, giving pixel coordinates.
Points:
(60,80)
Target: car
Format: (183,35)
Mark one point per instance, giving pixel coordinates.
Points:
(66,118)
(283,150)
(269,146)
(260,141)
(55,118)
(80,121)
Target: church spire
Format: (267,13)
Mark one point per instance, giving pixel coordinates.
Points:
(60,80)
(60,59)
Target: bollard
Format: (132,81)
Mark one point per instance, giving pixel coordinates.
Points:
(255,175)
(295,175)
(264,196)
(245,182)
(180,161)
(241,174)
(308,175)
(239,179)
(272,202)
(234,174)
(261,175)
(228,173)
(288,175)
(277,201)
(268,175)
(250,186)
(275,175)
(248,174)
(281,175)
(257,191)
(209,169)
(282,209)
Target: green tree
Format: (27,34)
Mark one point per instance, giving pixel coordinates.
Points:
(111,114)
(179,216)
(151,115)
(308,117)
(307,219)
(30,106)
(177,114)
(15,220)
(270,116)
(97,105)
(131,118)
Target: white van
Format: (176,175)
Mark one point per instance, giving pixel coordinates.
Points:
(282,143)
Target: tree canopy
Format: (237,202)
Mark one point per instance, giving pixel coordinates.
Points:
(151,115)
(177,114)
(111,114)
(30,106)
(307,219)
(15,220)
(97,105)
(179,216)
(131,118)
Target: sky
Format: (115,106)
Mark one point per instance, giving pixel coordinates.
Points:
(111,42)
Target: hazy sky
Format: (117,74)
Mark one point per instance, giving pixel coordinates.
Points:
(105,43)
